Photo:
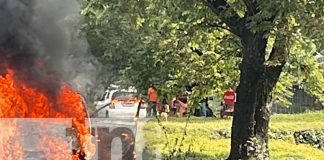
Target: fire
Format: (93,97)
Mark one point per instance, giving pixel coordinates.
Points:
(22,100)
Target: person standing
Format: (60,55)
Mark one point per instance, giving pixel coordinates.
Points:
(165,110)
(153,99)
(182,107)
(229,99)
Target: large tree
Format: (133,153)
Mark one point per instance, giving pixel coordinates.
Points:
(256,23)
(259,71)
(202,42)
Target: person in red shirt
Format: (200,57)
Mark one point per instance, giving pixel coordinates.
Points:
(229,99)
(153,99)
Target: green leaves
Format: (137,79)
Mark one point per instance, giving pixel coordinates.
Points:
(157,42)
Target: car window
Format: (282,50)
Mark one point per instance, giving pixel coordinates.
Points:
(123,95)
(104,96)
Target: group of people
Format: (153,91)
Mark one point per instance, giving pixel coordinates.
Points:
(177,106)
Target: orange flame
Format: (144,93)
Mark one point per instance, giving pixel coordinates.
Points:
(18,100)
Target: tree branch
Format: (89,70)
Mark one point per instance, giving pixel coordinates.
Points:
(233,21)
(251,7)
(199,52)
(278,55)
(217,25)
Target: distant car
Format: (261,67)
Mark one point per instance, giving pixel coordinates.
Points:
(103,104)
(120,104)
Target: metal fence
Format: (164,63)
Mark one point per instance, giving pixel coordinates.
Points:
(301,102)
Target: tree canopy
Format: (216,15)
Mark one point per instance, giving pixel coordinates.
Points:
(178,43)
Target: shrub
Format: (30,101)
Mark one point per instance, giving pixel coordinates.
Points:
(312,137)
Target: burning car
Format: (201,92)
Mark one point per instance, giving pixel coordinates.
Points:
(22,100)
(33,45)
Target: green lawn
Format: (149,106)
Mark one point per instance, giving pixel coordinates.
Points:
(209,138)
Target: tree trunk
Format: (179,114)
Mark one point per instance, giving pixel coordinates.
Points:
(252,111)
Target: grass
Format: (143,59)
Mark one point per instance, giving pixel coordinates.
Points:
(208,138)
(295,122)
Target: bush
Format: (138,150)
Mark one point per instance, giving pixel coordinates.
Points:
(312,137)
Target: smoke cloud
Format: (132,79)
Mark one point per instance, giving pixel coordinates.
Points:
(38,34)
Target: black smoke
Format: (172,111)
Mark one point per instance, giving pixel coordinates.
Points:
(38,40)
